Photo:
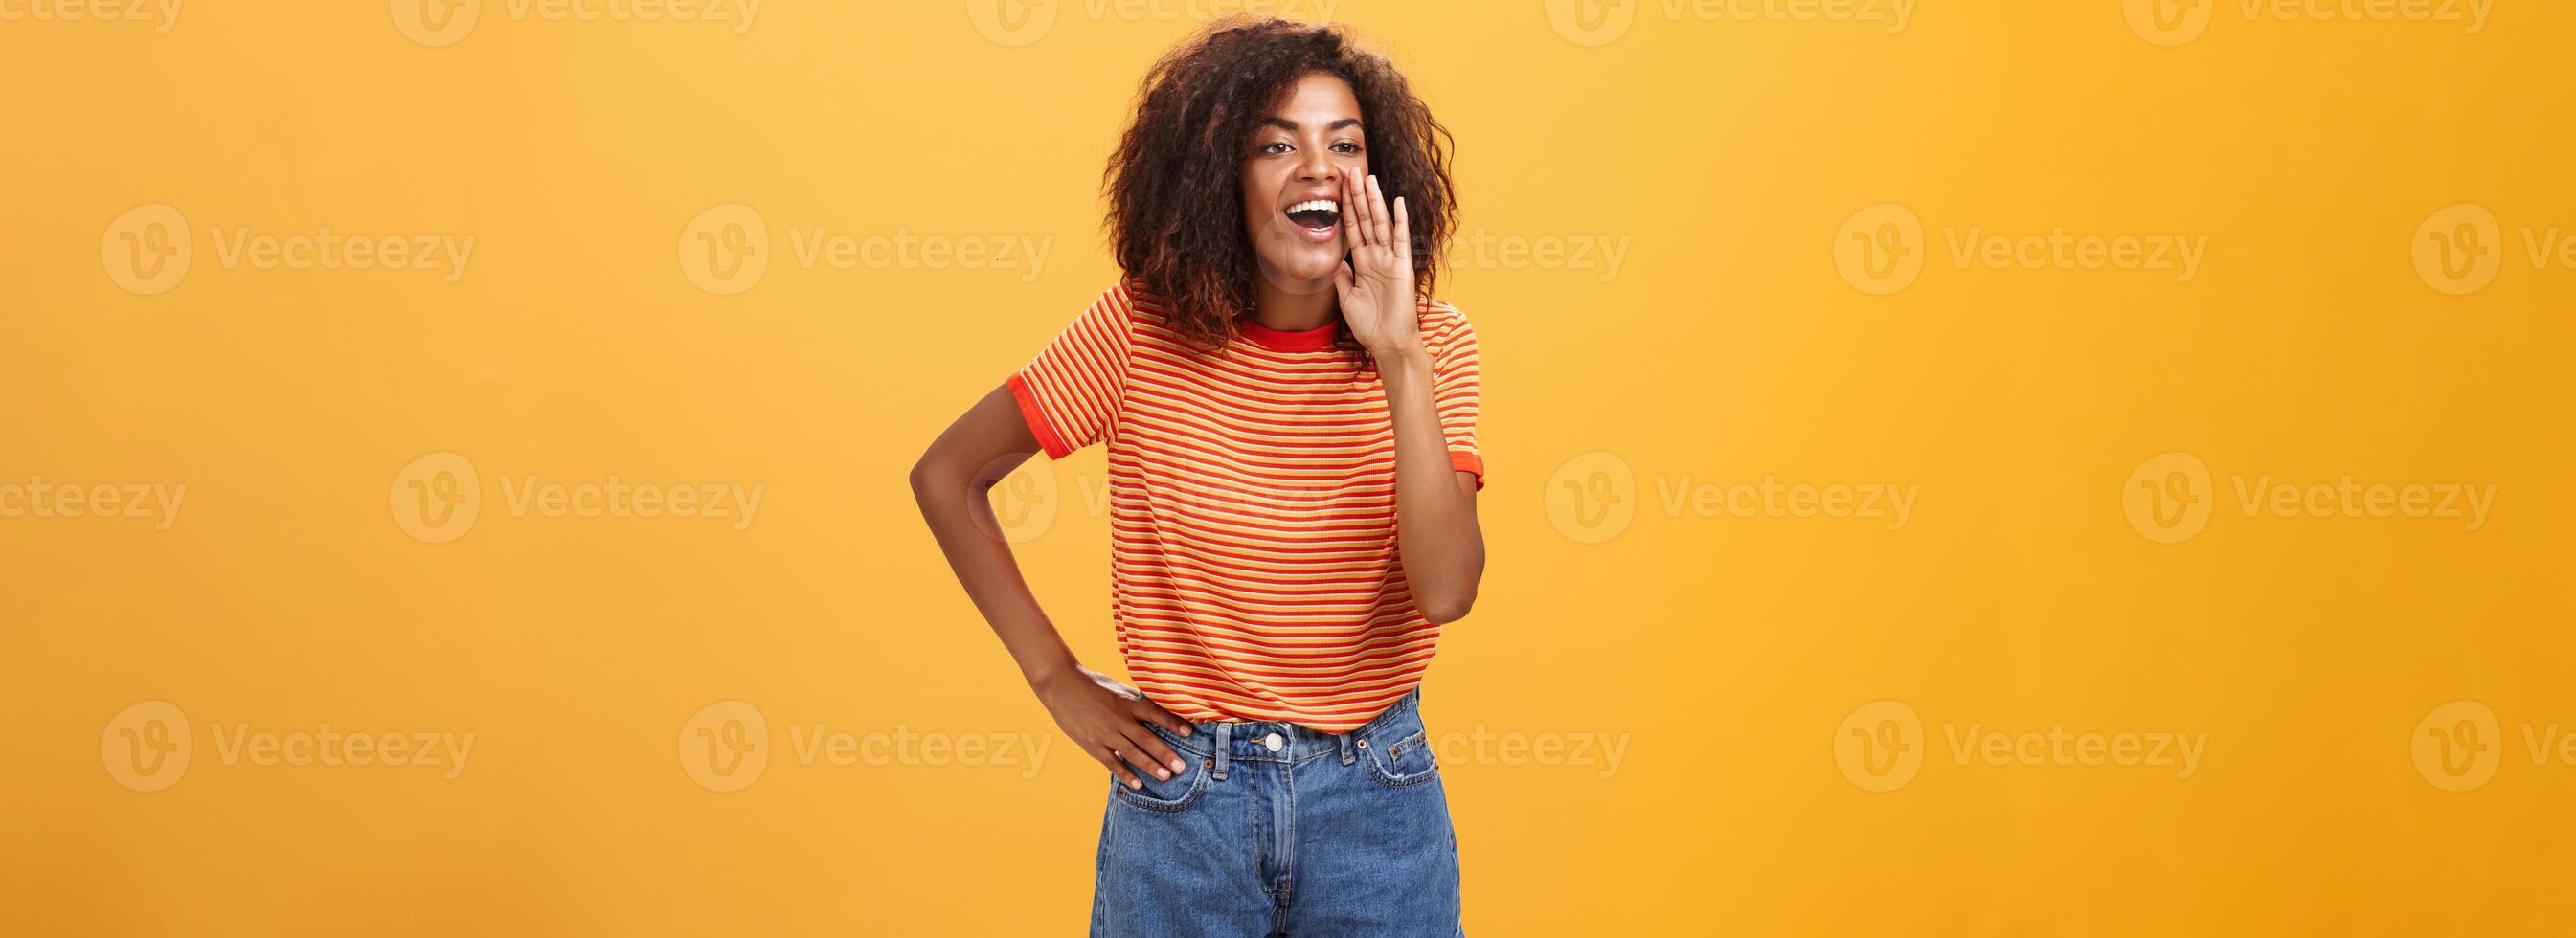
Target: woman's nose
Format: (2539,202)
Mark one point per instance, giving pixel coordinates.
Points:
(1315,168)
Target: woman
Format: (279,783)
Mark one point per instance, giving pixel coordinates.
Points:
(1293,476)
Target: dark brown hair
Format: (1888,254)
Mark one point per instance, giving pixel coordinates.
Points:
(1175,184)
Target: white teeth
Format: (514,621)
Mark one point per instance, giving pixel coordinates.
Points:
(1315,204)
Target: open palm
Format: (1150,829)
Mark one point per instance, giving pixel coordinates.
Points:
(1376,284)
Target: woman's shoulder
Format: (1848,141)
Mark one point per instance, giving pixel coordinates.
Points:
(1134,289)
(1440,318)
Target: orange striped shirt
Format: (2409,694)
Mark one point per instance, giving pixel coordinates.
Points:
(1253,565)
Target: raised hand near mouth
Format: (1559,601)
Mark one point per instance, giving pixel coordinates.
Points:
(1375,284)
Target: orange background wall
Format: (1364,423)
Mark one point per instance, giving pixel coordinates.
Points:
(2025,313)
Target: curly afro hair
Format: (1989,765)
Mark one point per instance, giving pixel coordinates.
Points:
(1174,184)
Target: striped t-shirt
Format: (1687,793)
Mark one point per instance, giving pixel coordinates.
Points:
(1253,564)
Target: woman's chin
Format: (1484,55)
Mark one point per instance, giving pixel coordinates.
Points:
(1317,263)
(1307,267)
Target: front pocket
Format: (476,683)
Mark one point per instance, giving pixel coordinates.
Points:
(1402,763)
(1172,794)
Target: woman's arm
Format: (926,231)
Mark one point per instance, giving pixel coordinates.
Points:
(953,484)
(1435,504)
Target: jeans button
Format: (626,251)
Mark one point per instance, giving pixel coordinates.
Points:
(1272,742)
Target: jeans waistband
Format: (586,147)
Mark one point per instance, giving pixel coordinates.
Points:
(1223,741)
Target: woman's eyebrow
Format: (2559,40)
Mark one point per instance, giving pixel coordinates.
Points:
(1291,126)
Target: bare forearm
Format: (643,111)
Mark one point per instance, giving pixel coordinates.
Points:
(1436,530)
(952,484)
(959,515)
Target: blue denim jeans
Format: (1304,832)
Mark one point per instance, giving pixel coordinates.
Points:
(1277,829)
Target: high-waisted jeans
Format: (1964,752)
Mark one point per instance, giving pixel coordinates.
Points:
(1279,829)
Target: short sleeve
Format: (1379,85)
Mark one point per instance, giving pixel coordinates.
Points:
(1455,382)
(1071,391)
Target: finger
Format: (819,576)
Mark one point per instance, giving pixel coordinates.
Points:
(1342,284)
(1403,237)
(1154,713)
(1378,233)
(1117,766)
(1148,752)
(1355,210)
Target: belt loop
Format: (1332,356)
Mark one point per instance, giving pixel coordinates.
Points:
(1224,747)
(1347,753)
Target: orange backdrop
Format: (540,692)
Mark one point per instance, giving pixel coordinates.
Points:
(2031,468)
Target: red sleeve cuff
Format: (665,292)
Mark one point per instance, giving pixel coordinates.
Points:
(1048,439)
(1465,461)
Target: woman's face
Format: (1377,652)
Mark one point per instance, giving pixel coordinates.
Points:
(1305,155)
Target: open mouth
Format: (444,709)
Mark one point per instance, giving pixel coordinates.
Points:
(1317,219)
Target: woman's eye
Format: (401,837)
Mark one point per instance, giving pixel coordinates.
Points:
(1274,147)
(1345,147)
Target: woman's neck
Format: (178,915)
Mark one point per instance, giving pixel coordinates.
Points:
(1297,307)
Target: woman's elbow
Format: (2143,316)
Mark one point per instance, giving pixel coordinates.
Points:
(1447,606)
(931,476)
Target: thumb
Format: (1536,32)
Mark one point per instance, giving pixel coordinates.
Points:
(1342,282)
